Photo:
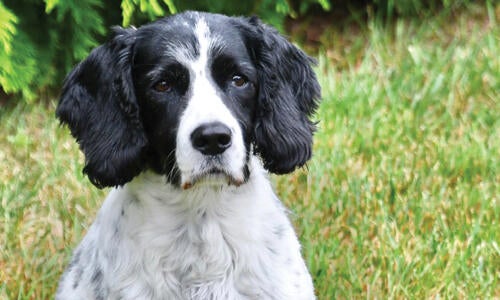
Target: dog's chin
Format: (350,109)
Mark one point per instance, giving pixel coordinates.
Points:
(212,177)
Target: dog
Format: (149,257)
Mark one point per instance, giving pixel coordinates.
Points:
(184,118)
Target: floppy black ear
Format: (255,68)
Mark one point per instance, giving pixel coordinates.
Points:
(288,95)
(98,104)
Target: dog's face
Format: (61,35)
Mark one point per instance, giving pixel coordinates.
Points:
(191,96)
(197,98)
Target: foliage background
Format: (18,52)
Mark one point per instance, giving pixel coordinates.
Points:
(41,41)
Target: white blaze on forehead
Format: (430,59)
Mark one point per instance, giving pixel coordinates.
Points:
(205,105)
(208,43)
(205,100)
(203,35)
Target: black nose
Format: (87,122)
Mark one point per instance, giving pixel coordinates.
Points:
(211,138)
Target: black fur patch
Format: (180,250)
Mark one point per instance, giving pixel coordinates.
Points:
(97,282)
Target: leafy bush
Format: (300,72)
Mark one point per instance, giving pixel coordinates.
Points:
(41,41)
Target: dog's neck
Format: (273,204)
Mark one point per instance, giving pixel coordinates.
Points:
(152,212)
(151,193)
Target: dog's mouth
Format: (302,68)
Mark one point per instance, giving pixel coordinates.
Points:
(213,176)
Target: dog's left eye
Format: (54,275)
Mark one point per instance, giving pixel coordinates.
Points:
(162,86)
(239,81)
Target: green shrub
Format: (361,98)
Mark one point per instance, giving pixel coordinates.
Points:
(40,41)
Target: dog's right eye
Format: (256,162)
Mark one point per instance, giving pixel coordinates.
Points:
(162,86)
(239,80)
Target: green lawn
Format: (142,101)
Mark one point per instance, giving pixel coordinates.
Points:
(401,199)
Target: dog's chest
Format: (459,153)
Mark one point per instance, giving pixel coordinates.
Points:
(209,260)
(193,254)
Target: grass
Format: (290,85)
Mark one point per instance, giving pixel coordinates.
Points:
(401,199)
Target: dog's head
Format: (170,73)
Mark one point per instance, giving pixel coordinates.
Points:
(191,96)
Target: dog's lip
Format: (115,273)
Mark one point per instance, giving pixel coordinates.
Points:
(213,173)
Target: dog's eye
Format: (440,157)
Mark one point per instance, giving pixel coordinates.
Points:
(162,86)
(239,80)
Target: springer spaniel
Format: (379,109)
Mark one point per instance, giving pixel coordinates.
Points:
(183,116)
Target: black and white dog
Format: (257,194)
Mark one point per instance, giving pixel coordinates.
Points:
(183,116)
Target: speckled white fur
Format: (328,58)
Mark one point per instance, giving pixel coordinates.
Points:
(153,241)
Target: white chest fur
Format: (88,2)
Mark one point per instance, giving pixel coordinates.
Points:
(153,241)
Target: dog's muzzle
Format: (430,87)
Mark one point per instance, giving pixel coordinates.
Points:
(213,141)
